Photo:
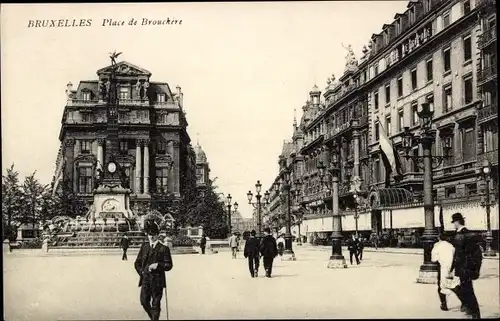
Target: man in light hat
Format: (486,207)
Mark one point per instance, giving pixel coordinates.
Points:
(466,263)
(152,262)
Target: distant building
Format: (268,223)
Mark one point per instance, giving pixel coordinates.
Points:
(240,223)
(202,167)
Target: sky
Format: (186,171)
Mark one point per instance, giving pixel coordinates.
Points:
(243,68)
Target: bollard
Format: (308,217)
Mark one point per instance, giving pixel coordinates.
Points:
(6,246)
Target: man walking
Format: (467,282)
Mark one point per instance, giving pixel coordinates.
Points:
(124,243)
(361,246)
(281,244)
(152,262)
(203,243)
(269,251)
(251,252)
(442,253)
(233,244)
(352,246)
(466,263)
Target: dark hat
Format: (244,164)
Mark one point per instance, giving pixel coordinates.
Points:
(151,228)
(253,233)
(457,217)
(267,230)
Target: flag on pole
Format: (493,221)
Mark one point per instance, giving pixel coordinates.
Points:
(389,154)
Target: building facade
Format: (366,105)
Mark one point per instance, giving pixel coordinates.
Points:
(154,146)
(438,51)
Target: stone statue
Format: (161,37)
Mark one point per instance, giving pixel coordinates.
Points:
(138,88)
(350,58)
(113,56)
(144,89)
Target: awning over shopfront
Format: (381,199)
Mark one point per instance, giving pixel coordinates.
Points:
(389,197)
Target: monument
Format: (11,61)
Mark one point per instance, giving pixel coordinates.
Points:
(111,195)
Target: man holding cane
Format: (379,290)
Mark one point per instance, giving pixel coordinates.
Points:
(152,262)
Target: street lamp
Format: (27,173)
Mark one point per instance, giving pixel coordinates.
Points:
(258,205)
(288,254)
(298,188)
(487,203)
(337,260)
(235,205)
(428,270)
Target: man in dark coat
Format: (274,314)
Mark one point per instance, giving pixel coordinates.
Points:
(269,251)
(353,247)
(464,265)
(251,252)
(124,243)
(203,243)
(361,247)
(152,262)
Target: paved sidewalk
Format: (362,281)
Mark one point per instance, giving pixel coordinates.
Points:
(392,250)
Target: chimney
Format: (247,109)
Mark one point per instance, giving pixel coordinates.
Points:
(180,94)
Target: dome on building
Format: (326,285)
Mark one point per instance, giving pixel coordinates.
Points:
(315,90)
(201,158)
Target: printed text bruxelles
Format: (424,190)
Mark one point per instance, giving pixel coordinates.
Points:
(61,23)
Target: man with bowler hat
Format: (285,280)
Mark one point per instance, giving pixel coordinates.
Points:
(269,251)
(466,263)
(251,252)
(152,262)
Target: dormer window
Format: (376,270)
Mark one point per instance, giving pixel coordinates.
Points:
(124,93)
(411,14)
(86,95)
(160,98)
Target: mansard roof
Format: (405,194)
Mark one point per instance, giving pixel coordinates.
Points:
(288,149)
(125,68)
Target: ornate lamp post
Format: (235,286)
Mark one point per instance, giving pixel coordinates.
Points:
(337,260)
(298,188)
(288,254)
(229,198)
(258,205)
(428,270)
(486,174)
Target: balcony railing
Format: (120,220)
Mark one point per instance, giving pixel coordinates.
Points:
(491,156)
(487,72)
(487,37)
(166,104)
(133,102)
(82,102)
(487,112)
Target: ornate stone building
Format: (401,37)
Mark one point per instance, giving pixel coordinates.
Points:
(154,146)
(437,51)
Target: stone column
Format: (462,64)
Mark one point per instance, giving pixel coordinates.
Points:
(175,167)
(100,154)
(170,151)
(355,136)
(146,166)
(69,153)
(138,166)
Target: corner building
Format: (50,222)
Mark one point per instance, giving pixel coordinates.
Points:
(154,146)
(437,51)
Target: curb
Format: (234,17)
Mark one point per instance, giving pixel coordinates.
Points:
(383,250)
